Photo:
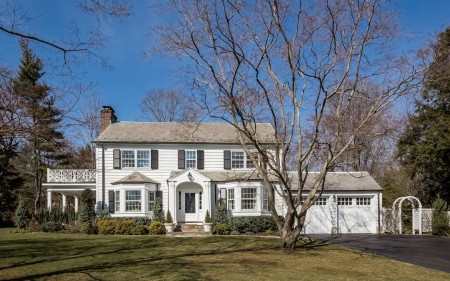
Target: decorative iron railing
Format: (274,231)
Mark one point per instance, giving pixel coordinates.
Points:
(71,175)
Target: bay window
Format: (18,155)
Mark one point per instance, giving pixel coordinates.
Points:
(133,200)
(248,198)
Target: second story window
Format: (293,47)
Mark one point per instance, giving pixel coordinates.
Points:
(143,158)
(191,159)
(128,159)
(237,159)
(249,163)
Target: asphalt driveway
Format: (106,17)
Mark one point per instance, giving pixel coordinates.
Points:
(428,251)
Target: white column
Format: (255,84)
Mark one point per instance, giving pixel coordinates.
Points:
(64,202)
(174,206)
(76,204)
(49,200)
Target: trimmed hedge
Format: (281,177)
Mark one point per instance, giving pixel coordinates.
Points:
(221,229)
(122,227)
(52,226)
(258,224)
(157,228)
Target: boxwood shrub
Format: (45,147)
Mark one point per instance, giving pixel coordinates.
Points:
(259,224)
(123,226)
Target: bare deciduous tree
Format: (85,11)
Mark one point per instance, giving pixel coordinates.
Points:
(283,62)
(168,105)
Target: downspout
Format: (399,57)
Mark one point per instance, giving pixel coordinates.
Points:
(379,214)
(103,177)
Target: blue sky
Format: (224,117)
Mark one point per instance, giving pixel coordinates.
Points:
(132,74)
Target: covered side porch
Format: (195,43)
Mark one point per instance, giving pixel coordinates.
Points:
(69,182)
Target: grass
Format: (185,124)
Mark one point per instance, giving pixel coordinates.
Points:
(39,256)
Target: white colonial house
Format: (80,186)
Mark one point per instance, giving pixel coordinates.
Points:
(191,166)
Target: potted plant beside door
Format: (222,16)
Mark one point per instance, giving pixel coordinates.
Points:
(207,225)
(169,222)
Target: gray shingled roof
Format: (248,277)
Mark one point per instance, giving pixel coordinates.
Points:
(167,132)
(342,181)
(135,177)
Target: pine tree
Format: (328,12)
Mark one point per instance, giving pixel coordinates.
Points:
(424,147)
(43,117)
(440,220)
(87,211)
(221,215)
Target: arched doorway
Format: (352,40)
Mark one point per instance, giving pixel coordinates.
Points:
(416,213)
(190,202)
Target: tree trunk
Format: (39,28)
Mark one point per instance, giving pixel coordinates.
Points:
(289,237)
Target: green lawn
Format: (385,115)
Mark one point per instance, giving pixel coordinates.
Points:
(39,256)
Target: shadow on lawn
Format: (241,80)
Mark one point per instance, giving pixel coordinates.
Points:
(185,258)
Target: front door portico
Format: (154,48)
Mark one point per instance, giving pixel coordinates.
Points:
(189,205)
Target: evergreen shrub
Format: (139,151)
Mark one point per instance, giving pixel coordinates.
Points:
(157,228)
(259,224)
(23,216)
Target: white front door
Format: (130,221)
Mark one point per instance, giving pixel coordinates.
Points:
(188,210)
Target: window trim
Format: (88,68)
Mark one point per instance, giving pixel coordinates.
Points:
(194,159)
(231,199)
(135,158)
(265,199)
(117,201)
(137,201)
(366,200)
(246,161)
(347,202)
(151,203)
(248,199)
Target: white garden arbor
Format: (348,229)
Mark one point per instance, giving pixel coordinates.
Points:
(416,213)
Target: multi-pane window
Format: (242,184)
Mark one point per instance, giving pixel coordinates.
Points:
(248,198)
(346,201)
(191,159)
(249,162)
(265,201)
(237,159)
(230,199)
(322,201)
(127,158)
(117,201)
(151,200)
(179,200)
(133,200)
(362,201)
(143,159)
(200,200)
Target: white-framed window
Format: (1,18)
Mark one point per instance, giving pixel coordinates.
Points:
(128,159)
(117,201)
(200,200)
(151,200)
(265,200)
(248,198)
(363,201)
(345,201)
(249,162)
(191,159)
(322,201)
(133,200)
(230,199)
(237,159)
(143,158)
(135,158)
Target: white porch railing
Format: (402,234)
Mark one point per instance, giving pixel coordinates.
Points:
(70,175)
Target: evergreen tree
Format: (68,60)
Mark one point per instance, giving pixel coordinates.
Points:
(424,147)
(43,139)
(158,213)
(87,211)
(221,215)
(440,220)
(22,216)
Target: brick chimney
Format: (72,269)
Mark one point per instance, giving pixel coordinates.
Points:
(107,117)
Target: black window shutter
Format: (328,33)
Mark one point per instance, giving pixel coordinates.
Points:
(116,158)
(158,194)
(200,159)
(227,159)
(154,163)
(181,159)
(111,201)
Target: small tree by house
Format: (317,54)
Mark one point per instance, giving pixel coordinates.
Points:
(169,218)
(158,213)
(22,216)
(207,217)
(440,220)
(221,215)
(87,211)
